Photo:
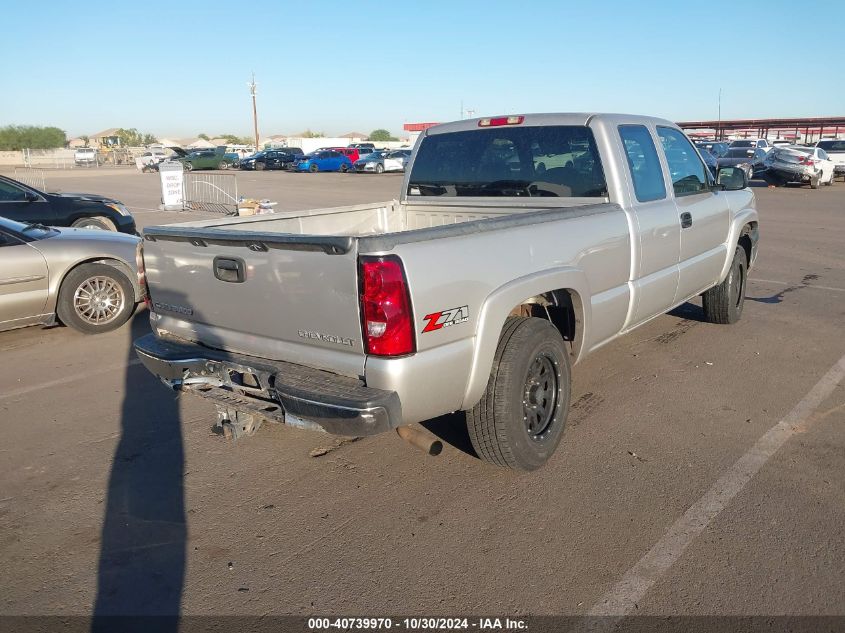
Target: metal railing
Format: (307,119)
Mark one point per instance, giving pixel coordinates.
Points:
(32,177)
(211,192)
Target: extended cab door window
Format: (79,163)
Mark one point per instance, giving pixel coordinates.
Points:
(689,175)
(643,162)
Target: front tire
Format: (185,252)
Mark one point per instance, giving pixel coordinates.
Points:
(97,222)
(188,166)
(723,303)
(95,298)
(260,166)
(379,168)
(223,165)
(519,420)
(313,168)
(344,168)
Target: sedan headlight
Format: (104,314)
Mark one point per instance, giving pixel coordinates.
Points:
(119,207)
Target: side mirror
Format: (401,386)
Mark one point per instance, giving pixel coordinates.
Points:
(28,196)
(731,178)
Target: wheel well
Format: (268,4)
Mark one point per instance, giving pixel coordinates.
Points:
(745,240)
(120,265)
(562,308)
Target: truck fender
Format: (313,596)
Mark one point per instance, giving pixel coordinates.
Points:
(498,306)
(745,216)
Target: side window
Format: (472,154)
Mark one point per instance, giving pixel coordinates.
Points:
(823,155)
(643,162)
(11,193)
(7,240)
(689,175)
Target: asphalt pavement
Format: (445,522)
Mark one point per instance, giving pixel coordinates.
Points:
(701,472)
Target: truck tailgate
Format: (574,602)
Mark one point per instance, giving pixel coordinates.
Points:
(279,297)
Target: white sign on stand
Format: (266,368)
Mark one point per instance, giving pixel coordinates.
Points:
(172,185)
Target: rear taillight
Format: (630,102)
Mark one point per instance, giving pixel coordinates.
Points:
(807,160)
(501,120)
(387,320)
(142,273)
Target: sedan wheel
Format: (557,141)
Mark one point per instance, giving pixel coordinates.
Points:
(379,168)
(313,168)
(95,223)
(95,298)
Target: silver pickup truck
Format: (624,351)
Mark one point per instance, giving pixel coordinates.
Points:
(518,245)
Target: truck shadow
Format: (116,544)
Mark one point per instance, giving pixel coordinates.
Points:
(142,554)
(452,429)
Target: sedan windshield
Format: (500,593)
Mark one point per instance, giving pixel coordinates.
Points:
(739,153)
(744,144)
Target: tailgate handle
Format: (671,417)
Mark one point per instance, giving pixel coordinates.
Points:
(230,269)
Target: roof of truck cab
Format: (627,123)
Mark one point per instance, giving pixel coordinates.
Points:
(561,118)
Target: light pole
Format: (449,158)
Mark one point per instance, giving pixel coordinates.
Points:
(719,120)
(252,86)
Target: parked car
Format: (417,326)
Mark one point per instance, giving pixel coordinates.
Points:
(352,153)
(716,148)
(835,150)
(381,161)
(326,160)
(84,279)
(85,156)
(805,165)
(474,291)
(781,143)
(207,159)
(272,159)
(365,145)
(709,159)
(751,143)
(748,159)
(81,210)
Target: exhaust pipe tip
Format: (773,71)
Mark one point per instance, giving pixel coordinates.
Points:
(422,440)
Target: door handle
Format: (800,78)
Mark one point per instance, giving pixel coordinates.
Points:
(686,220)
(229,269)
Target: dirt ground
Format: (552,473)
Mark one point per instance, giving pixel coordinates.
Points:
(117,498)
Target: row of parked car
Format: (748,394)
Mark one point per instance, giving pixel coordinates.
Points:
(779,162)
(358,157)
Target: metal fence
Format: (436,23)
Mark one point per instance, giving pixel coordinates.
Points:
(32,177)
(211,192)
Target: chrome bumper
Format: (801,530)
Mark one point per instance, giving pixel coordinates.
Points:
(308,397)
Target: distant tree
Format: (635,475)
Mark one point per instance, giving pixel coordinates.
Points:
(381,135)
(234,139)
(85,139)
(131,137)
(149,139)
(310,134)
(17,137)
(203,137)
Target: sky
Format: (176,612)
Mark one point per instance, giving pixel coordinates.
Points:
(178,69)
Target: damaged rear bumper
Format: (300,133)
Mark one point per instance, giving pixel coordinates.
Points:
(294,394)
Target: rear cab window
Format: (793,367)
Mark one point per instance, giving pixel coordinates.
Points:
(646,172)
(688,173)
(542,161)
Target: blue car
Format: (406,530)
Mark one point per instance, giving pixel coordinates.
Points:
(325,160)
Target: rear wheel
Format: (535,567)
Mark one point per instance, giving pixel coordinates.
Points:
(95,222)
(95,298)
(519,420)
(344,168)
(830,180)
(814,181)
(723,303)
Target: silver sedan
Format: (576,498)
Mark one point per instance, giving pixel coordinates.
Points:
(85,279)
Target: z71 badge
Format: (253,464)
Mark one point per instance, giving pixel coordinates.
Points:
(446,318)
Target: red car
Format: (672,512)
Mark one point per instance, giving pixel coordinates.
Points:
(349,152)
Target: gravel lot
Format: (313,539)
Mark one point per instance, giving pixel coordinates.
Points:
(117,497)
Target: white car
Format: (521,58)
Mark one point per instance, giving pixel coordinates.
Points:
(85,156)
(751,143)
(805,165)
(835,150)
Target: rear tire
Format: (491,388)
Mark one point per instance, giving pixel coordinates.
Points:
(96,222)
(519,420)
(814,181)
(829,182)
(723,303)
(344,168)
(95,298)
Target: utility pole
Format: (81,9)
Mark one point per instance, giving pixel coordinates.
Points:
(470,112)
(252,86)
(719,124)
